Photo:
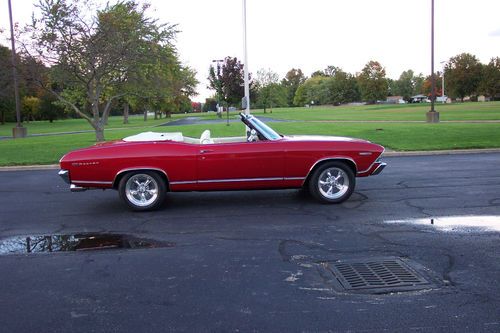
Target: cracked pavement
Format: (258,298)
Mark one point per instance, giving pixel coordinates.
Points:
(252,261)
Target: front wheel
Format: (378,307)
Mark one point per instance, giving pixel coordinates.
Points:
(332,182)
(142,190)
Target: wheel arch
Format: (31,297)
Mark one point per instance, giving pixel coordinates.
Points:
(120,174)
(346,160)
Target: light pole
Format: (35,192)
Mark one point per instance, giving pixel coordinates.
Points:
(19,131)
(442,83)
(432,115)
(218,88)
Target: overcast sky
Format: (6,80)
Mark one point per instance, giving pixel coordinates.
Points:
(312,34)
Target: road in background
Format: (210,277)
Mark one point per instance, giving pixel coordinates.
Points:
(245,261)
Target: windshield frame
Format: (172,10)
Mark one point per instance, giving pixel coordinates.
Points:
(262,128)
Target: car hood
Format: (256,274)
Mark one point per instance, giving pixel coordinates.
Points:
(321,138)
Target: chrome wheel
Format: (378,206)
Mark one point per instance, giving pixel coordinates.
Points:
(333,183)
(142,190)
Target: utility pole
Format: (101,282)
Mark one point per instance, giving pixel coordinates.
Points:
(432,115)
(442,83)
(19,131)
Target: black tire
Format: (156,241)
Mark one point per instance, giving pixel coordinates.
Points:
(142,190)
(332,182)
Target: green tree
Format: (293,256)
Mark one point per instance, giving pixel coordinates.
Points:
(6,87)
(228,80)
(341,87)
(409,85)
(215,82)
(30,107)
(318,73)
(209,105)
(269,92)
(427,85)
(372,82)
(7,100)
(490,82)
(463,75)
(272,95)
(332,71)
(92,53)
(292,80)
(49,109)
(406,85)
(311,92)
(419,83)
(393,89)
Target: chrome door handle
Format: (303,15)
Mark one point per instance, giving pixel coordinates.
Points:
(204,151)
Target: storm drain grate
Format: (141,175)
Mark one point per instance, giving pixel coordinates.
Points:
(381,275)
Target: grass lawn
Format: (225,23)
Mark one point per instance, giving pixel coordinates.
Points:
(406,112)
(396,136)
(403,112)
(71,125)
(404,136)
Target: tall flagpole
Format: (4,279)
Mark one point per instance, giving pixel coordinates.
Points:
(245,60)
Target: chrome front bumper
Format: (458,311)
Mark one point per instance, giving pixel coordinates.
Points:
(64,175)
(379,168)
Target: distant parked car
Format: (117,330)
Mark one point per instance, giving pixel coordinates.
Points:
(144,167)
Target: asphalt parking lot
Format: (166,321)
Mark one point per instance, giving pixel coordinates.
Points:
(260,261)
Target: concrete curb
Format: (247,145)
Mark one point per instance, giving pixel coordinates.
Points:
(29,167)
(386,154)
(441,152)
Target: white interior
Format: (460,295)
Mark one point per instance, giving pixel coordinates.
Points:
(205,138)
(154,136)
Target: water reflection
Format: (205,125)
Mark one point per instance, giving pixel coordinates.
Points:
(77,242)
(457,223)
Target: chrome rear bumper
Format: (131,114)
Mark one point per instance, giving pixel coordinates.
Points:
(74,188)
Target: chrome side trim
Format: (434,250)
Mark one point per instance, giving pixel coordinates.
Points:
(235,180)
(139,168)
(183,182)
(294,178)
(91,182)
(337,158)
(64,174)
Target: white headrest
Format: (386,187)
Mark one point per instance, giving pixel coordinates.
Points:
(205,137)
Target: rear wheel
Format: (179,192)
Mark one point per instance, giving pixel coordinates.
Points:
(142,190)
(332,182)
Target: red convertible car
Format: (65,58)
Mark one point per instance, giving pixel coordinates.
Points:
(144,167)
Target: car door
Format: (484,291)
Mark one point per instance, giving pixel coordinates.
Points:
(242,165)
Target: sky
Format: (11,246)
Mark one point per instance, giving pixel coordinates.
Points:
(313,34)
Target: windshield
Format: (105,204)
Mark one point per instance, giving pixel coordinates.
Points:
(263,129)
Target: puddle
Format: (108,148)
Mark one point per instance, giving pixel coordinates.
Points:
(458,223)
(77,242)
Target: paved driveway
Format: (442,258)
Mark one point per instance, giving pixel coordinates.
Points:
(255,261)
